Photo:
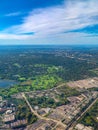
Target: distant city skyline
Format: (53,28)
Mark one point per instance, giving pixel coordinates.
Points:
(45,22)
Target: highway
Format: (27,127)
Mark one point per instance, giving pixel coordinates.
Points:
(72,124)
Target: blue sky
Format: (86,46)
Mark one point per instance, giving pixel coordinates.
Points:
(48,22)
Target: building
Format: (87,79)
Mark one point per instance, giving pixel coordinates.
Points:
(82,127)
(0,99)
(8,118)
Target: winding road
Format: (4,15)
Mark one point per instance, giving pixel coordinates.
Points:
(40,117)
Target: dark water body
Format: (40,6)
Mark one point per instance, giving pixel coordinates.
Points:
(7,83)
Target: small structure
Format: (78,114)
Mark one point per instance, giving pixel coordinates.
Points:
(79,127)
(8,118)
(36,108)
(0,99)
(8,112)
(82,127)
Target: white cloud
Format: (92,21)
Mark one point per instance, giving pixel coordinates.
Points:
(54,21)
(14,36)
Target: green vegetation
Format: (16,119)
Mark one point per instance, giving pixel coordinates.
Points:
(27,63)
(45,82)
(23,112)
(91,117)
(94,72)
(43,69)
(43,102)
(41,82)
(49,101)
(67,91)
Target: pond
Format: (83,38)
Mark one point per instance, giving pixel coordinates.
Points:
(7,83)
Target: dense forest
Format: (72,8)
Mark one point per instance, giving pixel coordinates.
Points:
(28,62)
(44,67)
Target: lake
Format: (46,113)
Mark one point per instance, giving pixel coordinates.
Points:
(7,83)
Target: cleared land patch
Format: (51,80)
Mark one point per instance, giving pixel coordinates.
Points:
(85,83)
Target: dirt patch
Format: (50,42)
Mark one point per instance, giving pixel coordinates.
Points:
(85,83)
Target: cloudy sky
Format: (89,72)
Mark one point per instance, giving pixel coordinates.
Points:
(48,21)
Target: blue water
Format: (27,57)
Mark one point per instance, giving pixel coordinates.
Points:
(7,83)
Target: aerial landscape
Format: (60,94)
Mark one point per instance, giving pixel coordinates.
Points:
(49,65)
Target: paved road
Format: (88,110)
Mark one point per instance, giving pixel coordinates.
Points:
(32,110)
(58,86)
(40,117)
(73,123)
